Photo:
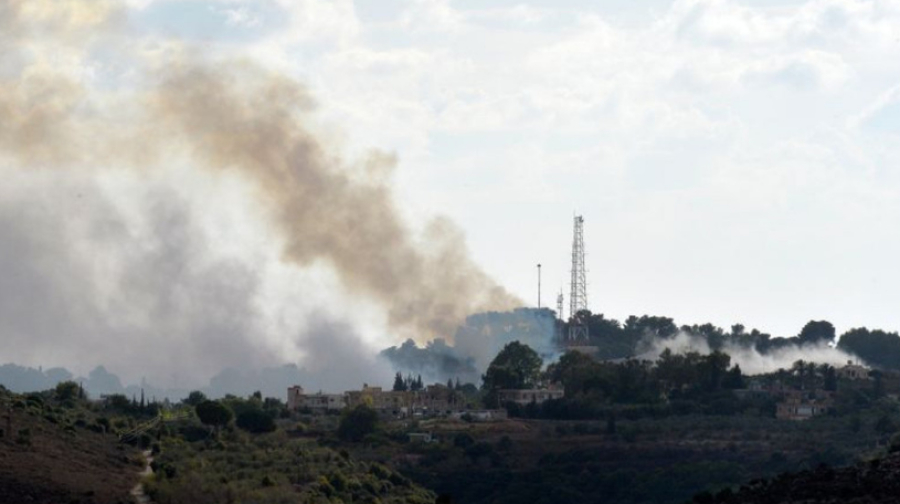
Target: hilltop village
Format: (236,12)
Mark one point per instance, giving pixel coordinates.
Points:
(793,400)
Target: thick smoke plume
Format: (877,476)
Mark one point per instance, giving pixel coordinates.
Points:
(83,281)
(241,119)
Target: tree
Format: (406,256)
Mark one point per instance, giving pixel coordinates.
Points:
(662,327)
(712,369)
(256,421)
(734,379)
(517,366)
(416,384)
(885,425)
(214,414)
(118,402)
(357,423)
(814,332)
(876,347)
(194,398)
(67,392)
(576,371)
(399,383)
(829,376)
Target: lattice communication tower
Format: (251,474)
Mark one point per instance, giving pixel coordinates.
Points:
(578,297)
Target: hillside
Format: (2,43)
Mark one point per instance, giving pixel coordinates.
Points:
(54,455)
(60,452)
(873,482)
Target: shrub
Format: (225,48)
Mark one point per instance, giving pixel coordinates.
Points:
(463,440)
(35,399)
(357,423)
(339,481)
(895,444)
(24,437)
(255,421)
(213,413)
(478,450)
(379,471)
(67,392)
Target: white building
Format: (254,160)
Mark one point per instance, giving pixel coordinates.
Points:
(853,372)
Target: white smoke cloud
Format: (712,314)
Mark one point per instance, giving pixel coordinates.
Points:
(749,359)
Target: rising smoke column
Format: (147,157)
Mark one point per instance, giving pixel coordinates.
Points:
(225,116)
(240,118)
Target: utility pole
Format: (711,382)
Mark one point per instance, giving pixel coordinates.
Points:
(539,285)
(559,317)
(559,305)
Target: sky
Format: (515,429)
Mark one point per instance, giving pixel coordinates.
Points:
(734,161)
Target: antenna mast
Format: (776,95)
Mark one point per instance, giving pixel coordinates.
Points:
(578,298)
(559,317)
(559,305)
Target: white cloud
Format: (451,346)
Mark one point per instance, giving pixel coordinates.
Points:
(239,17)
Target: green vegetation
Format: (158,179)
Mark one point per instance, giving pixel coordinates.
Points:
(615,340)
(213,414)
(517,366)
(660,460)
(876,347)
(627,431)
(57,446)
(271,468)
(357,423)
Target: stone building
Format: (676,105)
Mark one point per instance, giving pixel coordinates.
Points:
(435,400)
(318,402)
(527,396)
(801,404)
(853,372)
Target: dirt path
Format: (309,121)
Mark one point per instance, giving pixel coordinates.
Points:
(138,491)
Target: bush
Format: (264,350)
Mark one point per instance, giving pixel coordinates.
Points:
(35,400)
(885,425)
(463,440)
(24,437)
(255,421)
(479,450)
(357,423)
(67,392)
(379,471)
(213,413)
(894,446)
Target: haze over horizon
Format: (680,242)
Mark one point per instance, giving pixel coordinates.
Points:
(733,161)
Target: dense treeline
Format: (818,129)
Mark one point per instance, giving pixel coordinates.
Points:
(878,348)
(616,340)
